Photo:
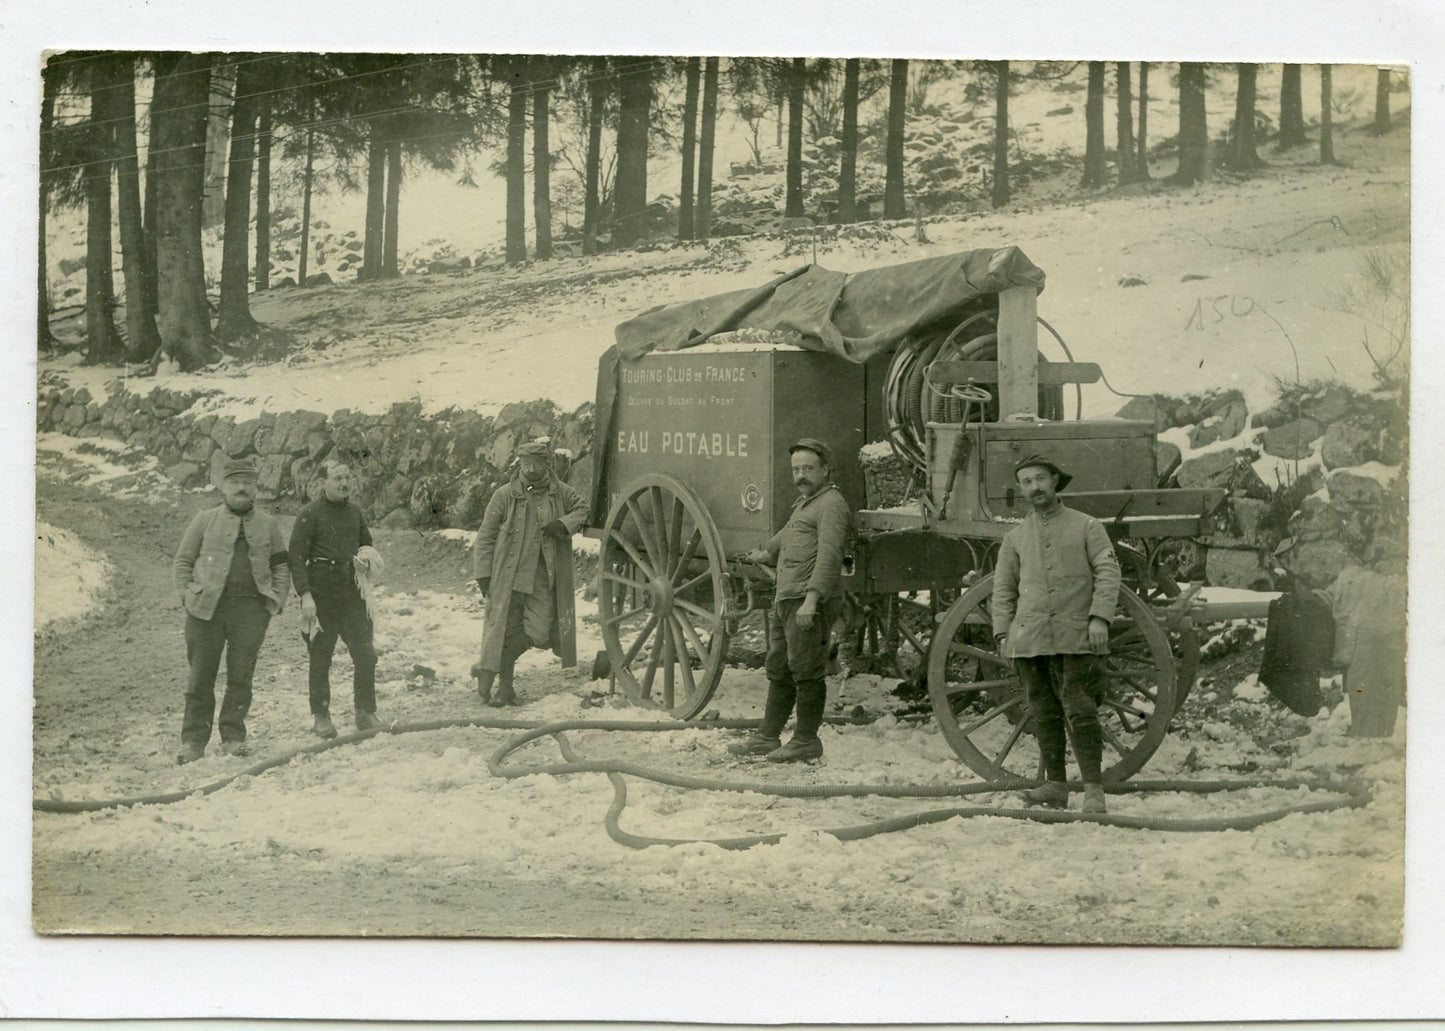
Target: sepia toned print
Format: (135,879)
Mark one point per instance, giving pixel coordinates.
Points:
(623,295)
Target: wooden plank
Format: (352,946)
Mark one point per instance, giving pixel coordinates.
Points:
(889,519)
(1018,352)
(1050,373)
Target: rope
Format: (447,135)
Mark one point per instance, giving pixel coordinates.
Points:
(1354,793)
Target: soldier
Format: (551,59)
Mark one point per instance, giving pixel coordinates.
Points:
(522,561)
(1054,592)
(809,556)
(325,542)
(231,573)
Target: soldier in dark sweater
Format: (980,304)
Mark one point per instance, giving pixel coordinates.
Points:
(324,542)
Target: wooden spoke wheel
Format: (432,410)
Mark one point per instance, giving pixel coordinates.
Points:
(891,635)
(662,597)
(979,703)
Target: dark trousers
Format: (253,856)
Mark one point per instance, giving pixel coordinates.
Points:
(1064,691)
(796,664)
(340,613)
(238,627)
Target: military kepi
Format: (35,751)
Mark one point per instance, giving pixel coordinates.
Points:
(1041,461)
(814,445)
(239,467)
(534,447)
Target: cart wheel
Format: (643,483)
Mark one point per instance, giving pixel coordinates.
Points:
(891,636)
(662,596)
(979,703)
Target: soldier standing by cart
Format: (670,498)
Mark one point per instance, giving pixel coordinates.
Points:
(1055,588)
(809,556)
(522,561)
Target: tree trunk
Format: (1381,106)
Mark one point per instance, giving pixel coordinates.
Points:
(1094,158)
(103,344)
(630,194)
(591,187)
(234,319)
(999,195)
(218,134)
(142,338)
(375,207)
(1193,125)
(306,183)
(263,198)
(848,170)
(703,222)
(1327,103)
(517,171)
(1125,124)
(893,202)
(392,221)
(1243,156)
(685,220)
(148,222)
(178,108)
(541,168)
(43,337)
(797,81)
(1141,166)
(1291,108)
(1382,101)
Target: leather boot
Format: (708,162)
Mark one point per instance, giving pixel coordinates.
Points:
(756,743)
(484,678)
(1051,793)
(322,726)
(504,694)
(1094,799)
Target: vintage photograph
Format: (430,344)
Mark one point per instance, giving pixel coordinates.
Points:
(721,498)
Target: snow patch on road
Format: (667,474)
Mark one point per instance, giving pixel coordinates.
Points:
(69,577)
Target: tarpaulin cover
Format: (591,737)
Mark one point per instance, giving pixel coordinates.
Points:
(854,316)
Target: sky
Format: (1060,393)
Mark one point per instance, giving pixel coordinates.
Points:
(414,979)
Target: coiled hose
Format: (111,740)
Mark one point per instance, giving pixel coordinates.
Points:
(1354,793)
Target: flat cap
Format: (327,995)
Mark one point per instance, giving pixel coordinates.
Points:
(239,467)
(814,445)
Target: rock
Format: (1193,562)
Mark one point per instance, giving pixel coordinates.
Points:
(221,430)
(1291,439)
(70,266)
(466,508)
(283,282)
(1315,519)
(319,279)
(1248,516)
(1227,567)
(318,444)
(1145,409)
(218,463)
(1222,423)
(303,473)
(81,397)
(1133,280)
(397,519)
(1349,442)
(275,441)
(271,473)
(90,429)
(499,454)
(1228,468)
(1334,403)
(199,449)
(1356,491)
(1315,563)
(241,440)
(185,474)
(449,264)
(74,418)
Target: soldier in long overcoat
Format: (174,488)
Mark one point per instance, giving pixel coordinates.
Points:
(522,561)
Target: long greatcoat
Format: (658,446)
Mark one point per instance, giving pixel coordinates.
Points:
(511,530)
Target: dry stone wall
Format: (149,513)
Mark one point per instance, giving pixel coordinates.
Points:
(414,469)
(1346,505)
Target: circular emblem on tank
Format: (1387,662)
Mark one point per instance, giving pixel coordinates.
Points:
(752,498)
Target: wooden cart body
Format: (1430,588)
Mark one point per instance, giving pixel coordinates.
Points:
(695,473)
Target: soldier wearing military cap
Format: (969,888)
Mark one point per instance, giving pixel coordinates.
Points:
(808,552)
(231,574)
(1055,588)
(522,561)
